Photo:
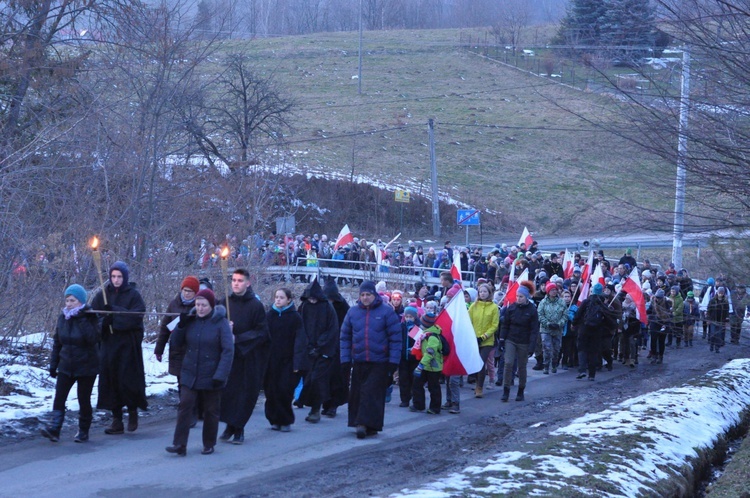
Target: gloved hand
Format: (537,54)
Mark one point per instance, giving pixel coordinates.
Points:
(107,307)
(53,373)
(501,345)
(158,357)
(392,367)
(313,353)
(531,353)
(418,370)
(107,322)
(217,384)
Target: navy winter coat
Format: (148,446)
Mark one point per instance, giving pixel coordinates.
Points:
(371,334)
(521,325)
(209,349)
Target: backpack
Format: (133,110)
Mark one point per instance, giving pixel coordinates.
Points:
(594,316)
(445,346)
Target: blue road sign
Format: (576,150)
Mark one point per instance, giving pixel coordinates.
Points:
(468,217)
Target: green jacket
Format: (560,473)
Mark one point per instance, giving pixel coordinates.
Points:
(432,351)
(485,318)
(678,305)
(552,311)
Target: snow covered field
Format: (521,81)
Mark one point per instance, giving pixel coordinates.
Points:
(38,388)
(639,447)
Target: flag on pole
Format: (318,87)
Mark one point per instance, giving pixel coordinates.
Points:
(456,327)
(568,264)
(345,237)
(585,283)
(598,276)
(379,253)
(456,267)
(510,295)
(632,285)
(526,238)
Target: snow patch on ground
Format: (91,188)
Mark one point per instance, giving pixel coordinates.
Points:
(35,389)
(623,451)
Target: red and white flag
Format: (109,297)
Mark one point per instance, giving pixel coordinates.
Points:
(585,283)
(632,285)
(526,238)
(456,267)
(568,264)
(379,253)
(455,324)
(598,276)
(510,295)
(345,237)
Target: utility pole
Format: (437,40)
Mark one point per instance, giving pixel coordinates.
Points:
(359,71)
(433,174)
(679,196)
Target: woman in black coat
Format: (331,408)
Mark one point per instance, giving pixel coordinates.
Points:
(75,359)
(209,348)
(288,351)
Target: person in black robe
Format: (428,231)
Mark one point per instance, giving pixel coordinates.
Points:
(339,386)
(251,349)
(322,331)
(288,354)
(122,379)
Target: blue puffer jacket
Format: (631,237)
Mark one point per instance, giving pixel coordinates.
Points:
(209,349)
(371,334)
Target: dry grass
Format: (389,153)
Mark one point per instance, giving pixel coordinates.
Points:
(504,142)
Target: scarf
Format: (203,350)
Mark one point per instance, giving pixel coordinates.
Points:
(280,311)
(70,313)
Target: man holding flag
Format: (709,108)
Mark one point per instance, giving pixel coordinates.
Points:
(518,335)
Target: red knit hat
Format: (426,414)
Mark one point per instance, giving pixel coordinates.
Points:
(208,295)
(191,283)
(549,287)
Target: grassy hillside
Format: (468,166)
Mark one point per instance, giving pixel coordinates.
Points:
(504,141)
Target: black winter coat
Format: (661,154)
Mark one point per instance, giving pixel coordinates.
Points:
(521,325)
(209,349)
(175,355)
(75,351)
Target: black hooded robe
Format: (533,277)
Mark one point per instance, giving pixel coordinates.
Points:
(322,330)
(122,378)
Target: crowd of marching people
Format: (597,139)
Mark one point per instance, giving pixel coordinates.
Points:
(321,352)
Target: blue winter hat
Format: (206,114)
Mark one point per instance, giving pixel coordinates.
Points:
(368,286)
(524,292)
(710,281)
(411,310)
(122,268)
(597,289)
(77,292)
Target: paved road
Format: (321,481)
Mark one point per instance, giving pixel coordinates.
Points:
(326,458)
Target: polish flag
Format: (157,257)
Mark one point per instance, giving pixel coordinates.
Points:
(345,237)
(526,238)
(585,279)
(598,276)
(568,264)
(510,295)
(455,324)
(632,285)
(456,267)
(379,253)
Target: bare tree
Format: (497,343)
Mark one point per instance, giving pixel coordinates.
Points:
(512,17)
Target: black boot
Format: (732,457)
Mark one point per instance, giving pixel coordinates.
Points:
(133,420)
(519,396)
(52,430)
(506,394)
(84,424)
